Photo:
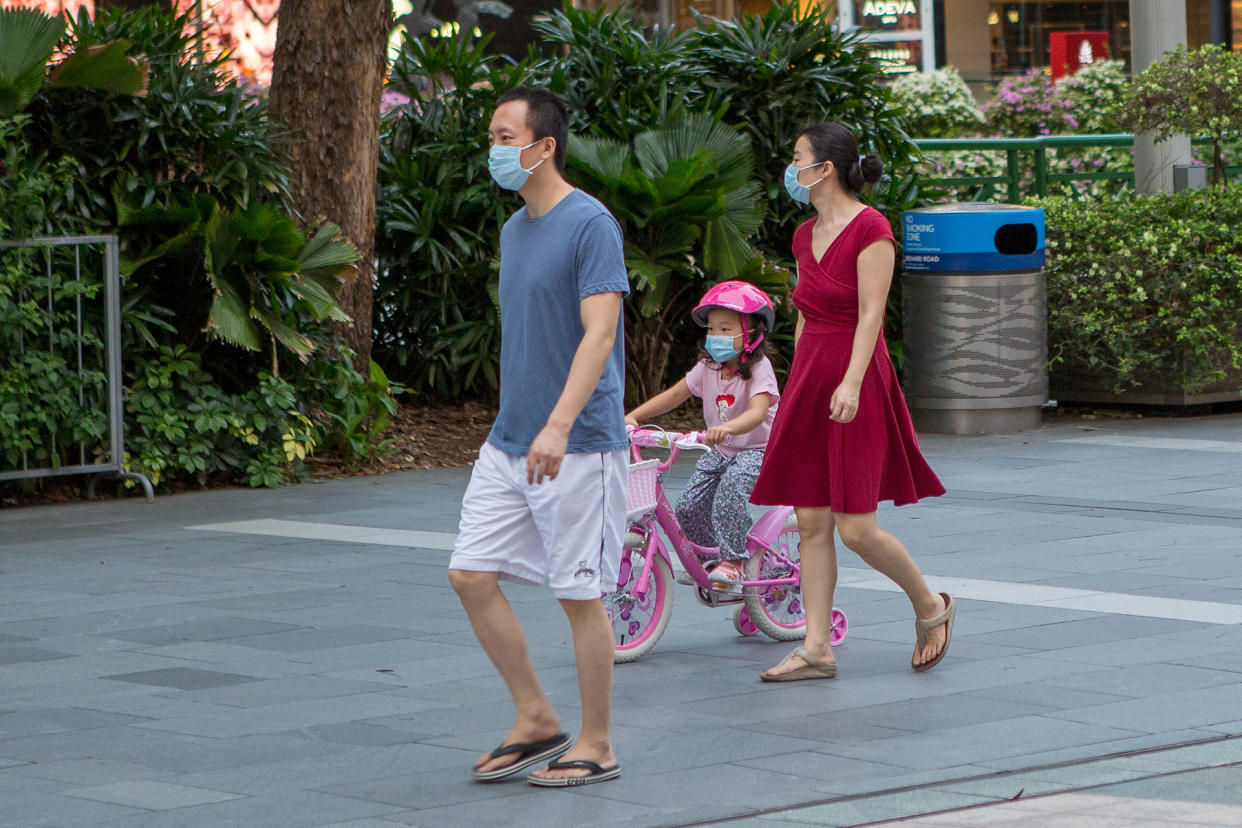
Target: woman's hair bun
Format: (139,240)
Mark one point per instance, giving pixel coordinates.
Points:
(872,168)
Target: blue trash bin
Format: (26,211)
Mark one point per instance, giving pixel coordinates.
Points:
(975,318)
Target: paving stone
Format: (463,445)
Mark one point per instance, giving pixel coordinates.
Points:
(27,655)
(150,795)
(33,722)
(215,629)
(182,678)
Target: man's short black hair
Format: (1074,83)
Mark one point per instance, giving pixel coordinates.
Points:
(545,115)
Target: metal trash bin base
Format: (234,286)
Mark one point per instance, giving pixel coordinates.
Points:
(958,421)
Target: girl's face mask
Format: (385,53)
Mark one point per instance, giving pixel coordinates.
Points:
(720,348)
(505,164)
(800,193)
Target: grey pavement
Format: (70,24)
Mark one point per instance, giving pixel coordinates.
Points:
(296,657)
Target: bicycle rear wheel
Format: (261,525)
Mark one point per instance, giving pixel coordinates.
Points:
(777,609)
(638,621)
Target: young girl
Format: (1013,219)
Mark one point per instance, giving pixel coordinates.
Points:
(735,380)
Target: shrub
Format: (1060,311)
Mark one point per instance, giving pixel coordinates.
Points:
(50,404)
(616,78)
(1029,105)
(938,104)
(181,424)
(1094,92)
(1150,283)
(1195,92)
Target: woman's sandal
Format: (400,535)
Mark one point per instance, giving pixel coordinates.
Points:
(923,626)
(816,668)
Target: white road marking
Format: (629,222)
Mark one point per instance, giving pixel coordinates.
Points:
(1003,592)
(335,532)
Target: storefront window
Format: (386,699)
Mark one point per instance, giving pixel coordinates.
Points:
(1022,32)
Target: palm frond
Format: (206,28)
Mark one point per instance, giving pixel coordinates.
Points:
(27,40)
(105,67)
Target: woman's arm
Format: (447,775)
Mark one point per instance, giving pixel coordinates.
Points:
(875,276)
(661,403)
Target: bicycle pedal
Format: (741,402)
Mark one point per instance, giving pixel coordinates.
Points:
(683,577)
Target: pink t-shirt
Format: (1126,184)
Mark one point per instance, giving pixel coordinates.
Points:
(727,397)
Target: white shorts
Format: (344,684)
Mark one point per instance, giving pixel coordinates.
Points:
(566,532)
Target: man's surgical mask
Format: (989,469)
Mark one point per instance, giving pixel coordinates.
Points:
(505,164)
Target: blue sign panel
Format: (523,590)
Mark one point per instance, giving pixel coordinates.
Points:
(972,237)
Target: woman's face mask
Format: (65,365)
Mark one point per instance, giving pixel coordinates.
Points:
(504,162)
(800,193)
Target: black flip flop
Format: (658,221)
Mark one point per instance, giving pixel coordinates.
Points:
(529,753)
(597,774)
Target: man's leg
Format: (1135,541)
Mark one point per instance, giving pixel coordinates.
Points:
(496,626)
(593,645)
(497,534)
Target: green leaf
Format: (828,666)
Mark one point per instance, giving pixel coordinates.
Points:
(229,319)
(326,255)
(105,67)
(27,40)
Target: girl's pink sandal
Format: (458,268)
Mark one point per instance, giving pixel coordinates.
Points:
(725,576)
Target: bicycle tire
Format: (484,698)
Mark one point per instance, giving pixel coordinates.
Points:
(638,623)
(776,610)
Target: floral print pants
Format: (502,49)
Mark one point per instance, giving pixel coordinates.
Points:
(712,509)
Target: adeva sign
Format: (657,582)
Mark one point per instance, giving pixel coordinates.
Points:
(885,12)
(899,32)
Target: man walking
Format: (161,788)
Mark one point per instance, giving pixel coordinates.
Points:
(547,498)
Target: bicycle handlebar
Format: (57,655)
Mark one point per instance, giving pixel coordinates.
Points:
(651,437)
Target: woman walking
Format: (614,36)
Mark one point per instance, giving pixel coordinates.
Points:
(842,440)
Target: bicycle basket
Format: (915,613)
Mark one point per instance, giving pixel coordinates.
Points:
(642,492)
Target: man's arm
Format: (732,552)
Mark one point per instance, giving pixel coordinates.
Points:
(599,313)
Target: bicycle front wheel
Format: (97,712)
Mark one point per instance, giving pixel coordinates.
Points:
(638,621)
(777,609)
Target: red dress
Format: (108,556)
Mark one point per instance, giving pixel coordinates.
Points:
(812,460)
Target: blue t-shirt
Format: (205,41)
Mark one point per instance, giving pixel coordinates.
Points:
(548,265)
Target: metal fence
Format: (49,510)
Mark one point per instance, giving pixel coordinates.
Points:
(1027,169)
(84,351)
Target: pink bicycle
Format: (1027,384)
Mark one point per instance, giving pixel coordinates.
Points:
(770,595)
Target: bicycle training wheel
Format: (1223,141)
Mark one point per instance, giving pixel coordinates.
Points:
(777,609)
(638,621)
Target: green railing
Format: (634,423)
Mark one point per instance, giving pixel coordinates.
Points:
(1037,148)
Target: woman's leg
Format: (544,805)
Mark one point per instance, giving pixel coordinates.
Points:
(819,585)
(884,553)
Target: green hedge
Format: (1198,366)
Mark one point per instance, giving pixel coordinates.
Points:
(1149,284)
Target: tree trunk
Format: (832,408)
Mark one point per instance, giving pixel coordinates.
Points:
(327,80)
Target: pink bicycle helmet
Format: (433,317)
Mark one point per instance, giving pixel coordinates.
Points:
(742,297)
